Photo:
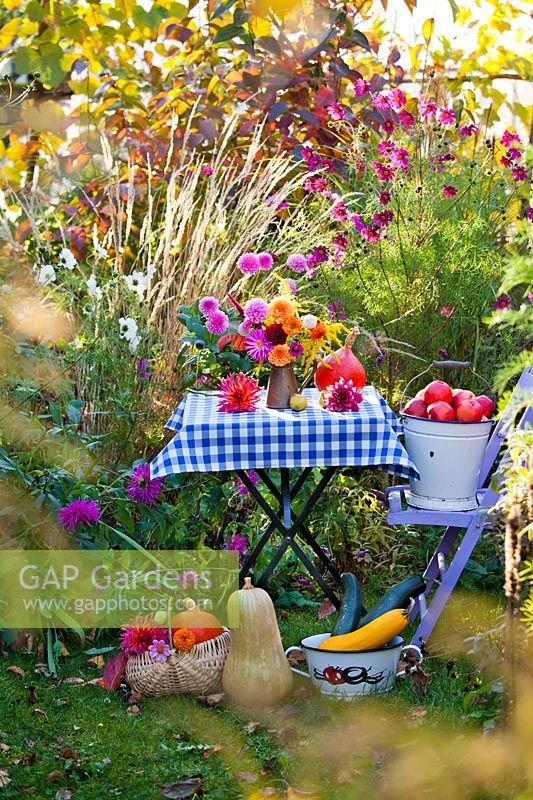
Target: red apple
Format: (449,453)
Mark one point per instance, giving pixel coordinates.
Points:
(469,411)
(441,411)
(487,405)
(459,395)
(416,408)
(437,391)
(420,395)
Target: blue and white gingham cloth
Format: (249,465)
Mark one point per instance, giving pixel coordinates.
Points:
(208,440)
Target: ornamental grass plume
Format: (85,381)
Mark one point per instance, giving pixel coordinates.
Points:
(238,393)
(342,396)
(134,641)
(142,487)
(79,512)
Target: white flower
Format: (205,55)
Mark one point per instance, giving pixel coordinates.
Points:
(134,343)
(100,251)
(309,321)
(67,259)
(47,274)
(93,290)
(137,282)
(128,329)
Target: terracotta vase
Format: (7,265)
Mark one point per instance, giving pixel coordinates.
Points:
(281,385)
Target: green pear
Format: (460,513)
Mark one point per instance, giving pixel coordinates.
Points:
(298,402)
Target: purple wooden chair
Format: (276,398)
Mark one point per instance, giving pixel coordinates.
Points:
(461,527)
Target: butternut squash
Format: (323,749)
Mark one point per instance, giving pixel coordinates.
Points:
(256,673)
(372,636)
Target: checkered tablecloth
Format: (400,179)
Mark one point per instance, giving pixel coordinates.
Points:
(208,440)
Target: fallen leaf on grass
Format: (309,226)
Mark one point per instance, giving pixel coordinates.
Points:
(182,736)
(134,710)
(63,794)
(23,643)
(73,680)
(32,695)
(42,669)
(4,747)
(251,726)
(295,658)
(185,787)
(68,753)
(57,775)
(211,751)
(210,700)
(61,702)
(114,670)
(95,682)
(134,697)
(420,681)
(30,758)
(245,777)
(16,671)
(40,712)
(97,661)
(326,609)
(4,778)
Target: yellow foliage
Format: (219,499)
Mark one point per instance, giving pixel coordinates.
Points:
(45,117)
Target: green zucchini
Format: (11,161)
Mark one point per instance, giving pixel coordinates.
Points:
(397,597)
(351,606)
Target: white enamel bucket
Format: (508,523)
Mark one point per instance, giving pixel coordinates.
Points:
(448,457)
(346,675)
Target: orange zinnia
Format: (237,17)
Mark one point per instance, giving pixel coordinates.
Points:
(184,639)
(279,356)
(292,326)
(318,331)
(281,309)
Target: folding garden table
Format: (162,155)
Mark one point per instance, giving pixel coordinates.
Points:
(207,440)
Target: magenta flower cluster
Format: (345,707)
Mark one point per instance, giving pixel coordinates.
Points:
(79,512)
(142,488)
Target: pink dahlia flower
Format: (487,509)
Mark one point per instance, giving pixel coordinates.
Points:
(142,487)
(256,310)
(265,261)
(342,396)
(217,323)
(134,641)
(79,512)
(249,263)
(208,305)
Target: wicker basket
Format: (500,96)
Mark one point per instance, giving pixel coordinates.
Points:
(198,671)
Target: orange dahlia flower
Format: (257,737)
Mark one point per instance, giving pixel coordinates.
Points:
(279,356)
(281,309)
(292,326)
(318,331)
(183,639)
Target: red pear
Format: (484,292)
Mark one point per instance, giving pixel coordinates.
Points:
(441,411)
(437,391)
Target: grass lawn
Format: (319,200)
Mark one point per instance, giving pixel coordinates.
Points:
(78,741)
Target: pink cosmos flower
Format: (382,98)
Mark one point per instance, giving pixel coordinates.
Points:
(427,109)
(207,305)
(295,349)
(519,174)
(249,263)
(383,171)
(449,191)
(257,346)
(509,137)
(217,323)
(297,262)
(79,512)
(319,255)
(400,158)
(468,130)
(528,213)
(340,241)
(406,118)
(388,125)
(142,488)
(502,303)
(256,310)
(384,198)
(358,222)
(381,102)
(446,116)
(386,147)
(371,233)
(506,162)
(207,170)
(361,87)
(336,111)
(383,218)
(514,153)
(396,99)
(265,261)
(339,211)
(159,650)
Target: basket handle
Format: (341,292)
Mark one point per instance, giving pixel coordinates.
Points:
(451,364)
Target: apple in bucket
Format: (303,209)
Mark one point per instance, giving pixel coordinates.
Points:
(459,395)
(441,411)
(416,408)
(487,405)
(469,411)
(437,392)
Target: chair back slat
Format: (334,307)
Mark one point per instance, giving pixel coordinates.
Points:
(524,387)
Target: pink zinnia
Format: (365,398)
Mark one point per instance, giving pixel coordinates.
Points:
(342,396)
(519,174)
(384,172)
(396,99)
(207,305)
(381,102)
(509,137)
(249,263)
(297,262)
(257,346)
(265,261)
(336,111)
(159,650)
(446,116)
(449,191)
(427,109)
(361,87)
(79,512)
(217,323)
(256,310)
(134,641)
(406,118)
(142,488)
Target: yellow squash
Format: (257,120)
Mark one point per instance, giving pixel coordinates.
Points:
(372,636)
